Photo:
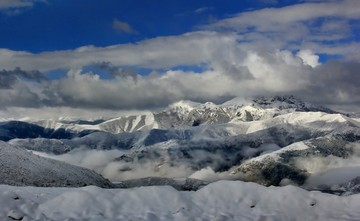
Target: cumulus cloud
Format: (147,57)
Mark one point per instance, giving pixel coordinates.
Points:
(309,58)
(241,74)
(121,26)
(88,90)
(279,73)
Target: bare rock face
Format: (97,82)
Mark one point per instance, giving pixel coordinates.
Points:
(270,172)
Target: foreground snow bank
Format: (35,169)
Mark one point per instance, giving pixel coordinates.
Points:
(223,200)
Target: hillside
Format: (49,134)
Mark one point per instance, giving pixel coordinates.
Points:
(22,168)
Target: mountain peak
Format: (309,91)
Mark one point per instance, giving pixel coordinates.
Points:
(184,104)
(289,99)
(286,101)
(289,102)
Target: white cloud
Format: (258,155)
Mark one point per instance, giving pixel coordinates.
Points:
(97,160)
(203,9)
(348,50)
(235,73)
(13,4)
(208,174)
(122,26)
(162,52)
(274,18)
(331,170)
(292,26)
(309,58)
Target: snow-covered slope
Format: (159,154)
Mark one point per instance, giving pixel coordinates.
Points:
(129,124)
(18,129)
(186,114)
(293,126)
(219,147)
(224,200)
(289,102)
(22,168)
(306,163)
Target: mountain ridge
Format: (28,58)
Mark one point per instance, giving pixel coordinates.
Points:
(186,114)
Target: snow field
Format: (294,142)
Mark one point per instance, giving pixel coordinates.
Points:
(223,200)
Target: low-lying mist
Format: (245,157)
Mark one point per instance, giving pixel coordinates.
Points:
(119,165)
(107,163)
(332,170)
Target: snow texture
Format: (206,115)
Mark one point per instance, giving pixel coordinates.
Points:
(22,168)
(223,200)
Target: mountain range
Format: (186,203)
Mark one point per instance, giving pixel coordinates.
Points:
(271,141)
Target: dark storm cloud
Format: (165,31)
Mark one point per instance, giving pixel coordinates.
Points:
(115,71)
(335,83)
(10,77)
(20,88)
(20,96)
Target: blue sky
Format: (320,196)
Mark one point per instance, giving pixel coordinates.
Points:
(140,55)
(68,24)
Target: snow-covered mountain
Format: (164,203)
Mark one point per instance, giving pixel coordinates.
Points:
(183,114)
(253,140)
(22,168)
(337,156)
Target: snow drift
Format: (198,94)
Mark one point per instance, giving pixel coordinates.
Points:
(223,200)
